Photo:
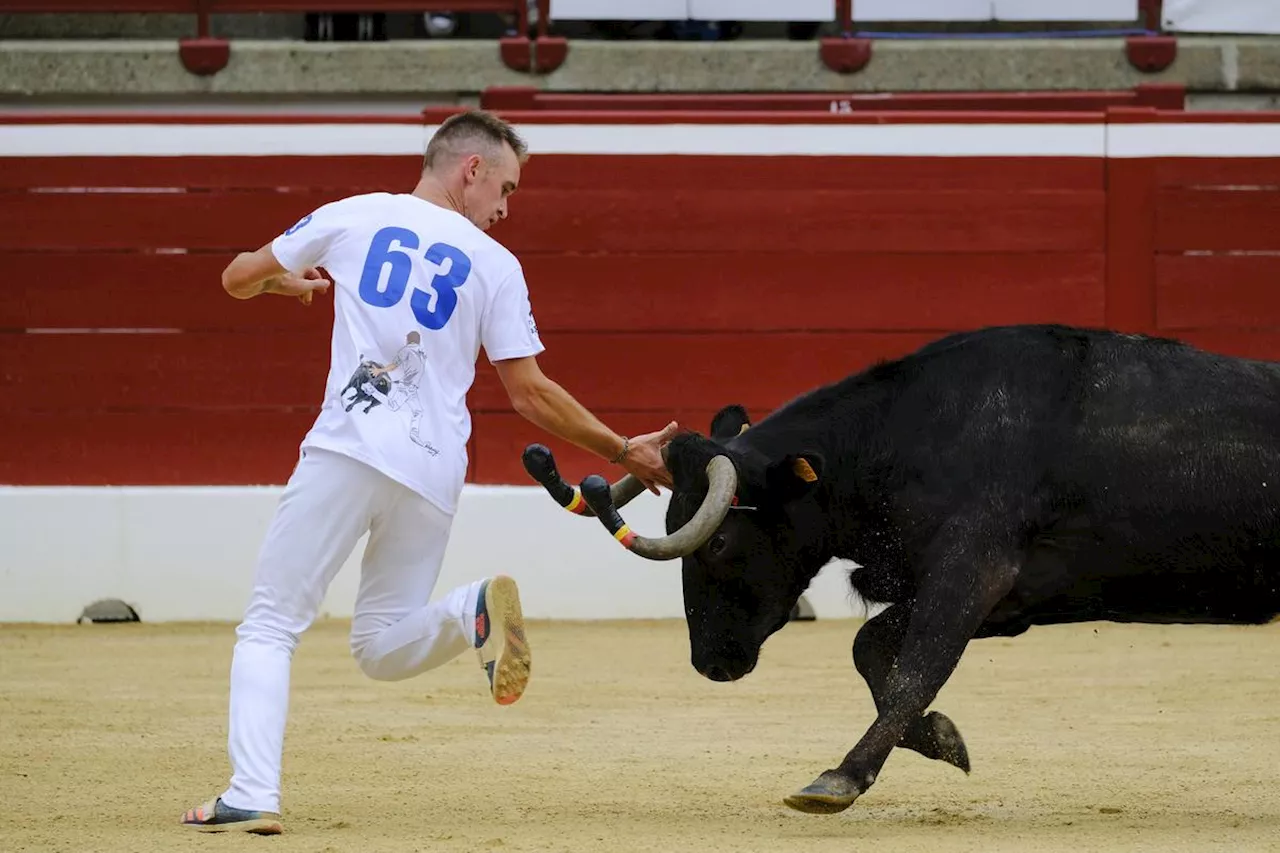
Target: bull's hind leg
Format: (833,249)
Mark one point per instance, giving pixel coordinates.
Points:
(875,651)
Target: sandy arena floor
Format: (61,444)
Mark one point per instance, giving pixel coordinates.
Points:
(1085,738)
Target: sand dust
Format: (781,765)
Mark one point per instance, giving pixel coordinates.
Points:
(1093,737)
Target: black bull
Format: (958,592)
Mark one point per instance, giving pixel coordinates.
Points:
(989,482)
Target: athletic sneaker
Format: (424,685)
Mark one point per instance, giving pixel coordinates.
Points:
(500,640)
(217,816)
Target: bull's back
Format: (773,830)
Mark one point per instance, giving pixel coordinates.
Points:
(1148,470)
(1164,502)
(1172,431)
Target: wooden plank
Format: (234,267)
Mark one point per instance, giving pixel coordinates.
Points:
(715,292)
(1217,171)
(598,220)
(671,372)
(179,220)
(1247,343)
(714,173)
(344,173)
(783,221)
(141,291)
(754,291)
(520,98)
(1218,291)
(398,173)
(1131,212)
(92,372)
(88,6)
(501,437)
(1217,219)
(152,448)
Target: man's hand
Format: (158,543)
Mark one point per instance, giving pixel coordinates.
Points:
(252,274)
(304,287)
(644,457)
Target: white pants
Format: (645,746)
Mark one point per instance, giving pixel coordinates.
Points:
(330,502)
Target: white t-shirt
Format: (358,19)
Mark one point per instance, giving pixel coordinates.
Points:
(418,290)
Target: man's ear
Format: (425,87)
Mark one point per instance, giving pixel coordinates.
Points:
(472,166)
(795,475)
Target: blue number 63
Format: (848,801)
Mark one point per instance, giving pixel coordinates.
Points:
(382,253)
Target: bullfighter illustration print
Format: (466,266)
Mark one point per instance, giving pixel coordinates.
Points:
(368,386)
(394,385)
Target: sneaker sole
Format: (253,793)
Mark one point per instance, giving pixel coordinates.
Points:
(262,826)
(511,672)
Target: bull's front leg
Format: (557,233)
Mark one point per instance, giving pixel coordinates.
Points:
(875,651)
(964,581)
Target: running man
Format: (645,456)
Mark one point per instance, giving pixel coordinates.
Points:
(401,265)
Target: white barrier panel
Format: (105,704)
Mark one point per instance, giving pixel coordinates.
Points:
(693,10)
(611,10)
(1060,10)
(922,10)
(1093,139)
(1222,16)
(761,10)
(863,10)
(188,554)
(133,139)
(995,10)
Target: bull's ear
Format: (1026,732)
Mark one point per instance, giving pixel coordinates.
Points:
(728,422)
(795,475)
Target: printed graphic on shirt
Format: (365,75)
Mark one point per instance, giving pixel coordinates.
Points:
(369,385)
(395,385)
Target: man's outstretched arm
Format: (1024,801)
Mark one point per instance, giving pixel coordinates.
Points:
(547,405)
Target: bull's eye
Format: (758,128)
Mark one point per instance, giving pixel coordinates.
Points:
(717,545)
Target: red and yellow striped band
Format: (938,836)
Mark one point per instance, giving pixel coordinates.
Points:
(625,536)
(576,506)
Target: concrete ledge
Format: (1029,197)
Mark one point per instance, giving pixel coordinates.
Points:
(151,25)
(1256,64)
(901,66)
(128,68)
(145,67)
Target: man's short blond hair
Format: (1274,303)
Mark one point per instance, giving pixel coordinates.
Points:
(470,127)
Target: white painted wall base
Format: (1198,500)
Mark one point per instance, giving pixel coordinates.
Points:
(188,554)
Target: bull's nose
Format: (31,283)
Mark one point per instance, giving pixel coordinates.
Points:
(717,673)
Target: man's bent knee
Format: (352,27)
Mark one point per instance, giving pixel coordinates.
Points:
(376,668)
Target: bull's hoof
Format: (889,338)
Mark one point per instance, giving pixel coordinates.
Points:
(828,794)
(948,744)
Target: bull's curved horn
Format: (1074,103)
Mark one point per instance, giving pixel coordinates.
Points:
(541,466)
(723,479)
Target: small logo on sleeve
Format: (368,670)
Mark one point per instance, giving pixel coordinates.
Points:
(298,226)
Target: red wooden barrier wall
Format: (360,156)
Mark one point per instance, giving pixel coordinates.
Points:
(708,280)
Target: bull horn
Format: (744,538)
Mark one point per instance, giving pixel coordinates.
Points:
(541,466)
(723,483)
